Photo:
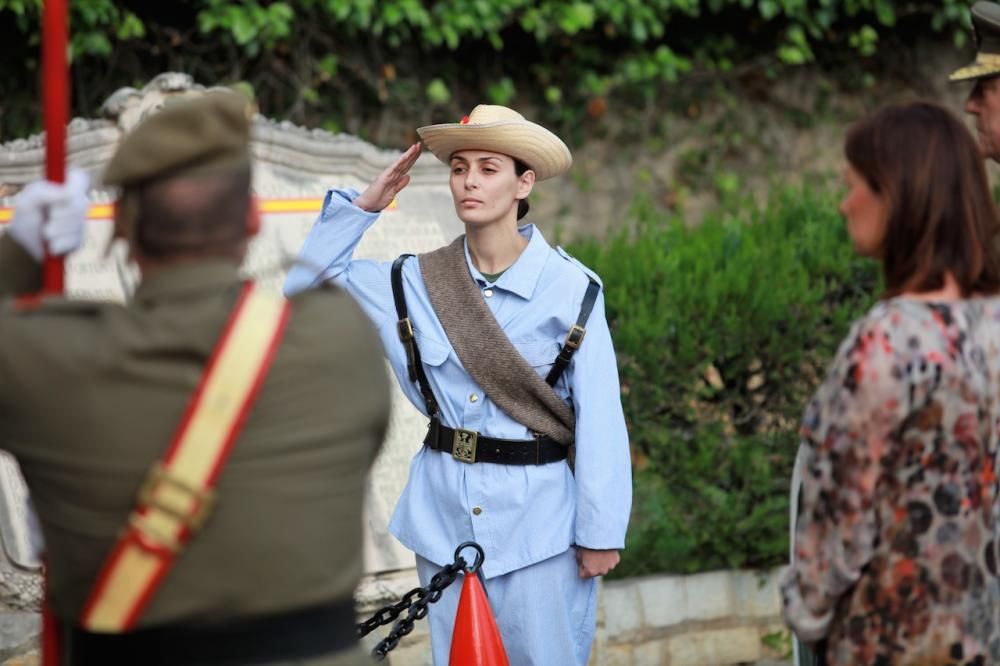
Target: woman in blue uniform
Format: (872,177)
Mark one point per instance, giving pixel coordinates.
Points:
(494,466)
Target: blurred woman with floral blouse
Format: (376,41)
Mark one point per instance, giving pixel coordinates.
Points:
(896,541)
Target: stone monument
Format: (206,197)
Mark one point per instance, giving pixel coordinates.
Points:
(293,169)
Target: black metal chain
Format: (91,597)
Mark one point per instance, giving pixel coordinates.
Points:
(417,600)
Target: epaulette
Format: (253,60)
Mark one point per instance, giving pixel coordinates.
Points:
(573,260)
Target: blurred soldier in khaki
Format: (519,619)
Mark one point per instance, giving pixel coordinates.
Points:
(94,394)
(984,100)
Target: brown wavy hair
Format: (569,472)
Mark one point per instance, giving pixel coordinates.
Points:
(940,216)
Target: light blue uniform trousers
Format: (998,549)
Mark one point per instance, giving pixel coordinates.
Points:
(546,613)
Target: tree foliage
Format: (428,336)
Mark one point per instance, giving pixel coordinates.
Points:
(344,63)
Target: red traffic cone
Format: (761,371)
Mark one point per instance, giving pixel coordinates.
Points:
(475,640)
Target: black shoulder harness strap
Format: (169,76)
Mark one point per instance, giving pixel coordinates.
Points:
(575,336)
(405,329)
(416,369)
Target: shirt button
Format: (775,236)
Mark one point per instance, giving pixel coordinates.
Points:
(476,511)
(473,398)
(488,293)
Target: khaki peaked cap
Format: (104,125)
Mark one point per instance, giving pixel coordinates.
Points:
(986,28)
(207,134)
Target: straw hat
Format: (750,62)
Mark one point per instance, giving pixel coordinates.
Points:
(500,130)
(986,27)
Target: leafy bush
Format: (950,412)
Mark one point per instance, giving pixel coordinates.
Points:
(343,62)
(723,332)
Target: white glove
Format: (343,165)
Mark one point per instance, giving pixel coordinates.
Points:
(51,215)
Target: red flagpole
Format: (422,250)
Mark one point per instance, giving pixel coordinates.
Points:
(55,86)
(55,37)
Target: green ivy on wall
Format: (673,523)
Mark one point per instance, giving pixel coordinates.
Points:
(341,62)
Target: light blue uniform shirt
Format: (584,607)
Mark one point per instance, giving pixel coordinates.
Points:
(526,513)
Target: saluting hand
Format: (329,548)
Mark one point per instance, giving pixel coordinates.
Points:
(596,562)
(384,189)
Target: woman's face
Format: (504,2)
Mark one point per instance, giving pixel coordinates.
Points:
(864,211)
(485,187)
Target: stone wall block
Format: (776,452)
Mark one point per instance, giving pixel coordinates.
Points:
(664,600)
(755,593)
(648,654)
(709,596)
(622,609)
(714,648)
(618,655)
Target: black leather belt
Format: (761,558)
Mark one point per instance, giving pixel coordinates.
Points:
(470,447)
(301,634)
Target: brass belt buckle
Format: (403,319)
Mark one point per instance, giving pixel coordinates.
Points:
(463,448)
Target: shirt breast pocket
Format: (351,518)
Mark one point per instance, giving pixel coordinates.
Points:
(540,354)
(433,352)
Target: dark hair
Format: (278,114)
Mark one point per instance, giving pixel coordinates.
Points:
(206,215)
(940,217)
(522,204)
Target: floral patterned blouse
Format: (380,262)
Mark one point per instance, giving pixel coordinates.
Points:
(895,551)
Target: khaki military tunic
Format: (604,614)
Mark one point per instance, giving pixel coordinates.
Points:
(91,394)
